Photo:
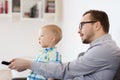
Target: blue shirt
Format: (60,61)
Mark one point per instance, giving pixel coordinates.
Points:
(99,62)
(47,55)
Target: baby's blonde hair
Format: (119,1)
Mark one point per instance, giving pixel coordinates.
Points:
(56,30)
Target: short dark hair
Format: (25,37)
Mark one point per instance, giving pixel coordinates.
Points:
(100,16)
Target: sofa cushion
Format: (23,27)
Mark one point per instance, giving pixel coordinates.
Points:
(5,74)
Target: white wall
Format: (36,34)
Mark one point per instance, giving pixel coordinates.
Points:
(73,10)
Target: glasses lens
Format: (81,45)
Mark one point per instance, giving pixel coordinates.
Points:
(85,22)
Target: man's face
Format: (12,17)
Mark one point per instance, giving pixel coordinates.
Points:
(86,29)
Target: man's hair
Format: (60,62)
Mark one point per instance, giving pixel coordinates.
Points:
(56,30)
(100,16)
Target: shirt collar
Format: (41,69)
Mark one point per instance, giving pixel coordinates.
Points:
(48,49)
(102,39)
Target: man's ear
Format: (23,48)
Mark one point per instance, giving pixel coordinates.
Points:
(98,25)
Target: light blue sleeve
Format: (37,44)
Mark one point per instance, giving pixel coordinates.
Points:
(96,62)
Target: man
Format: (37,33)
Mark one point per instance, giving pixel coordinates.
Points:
(99,62)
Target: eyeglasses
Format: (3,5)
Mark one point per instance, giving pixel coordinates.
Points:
(83,23)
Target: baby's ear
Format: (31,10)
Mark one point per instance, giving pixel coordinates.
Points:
(53,38)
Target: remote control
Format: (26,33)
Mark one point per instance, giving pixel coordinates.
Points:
(5,62)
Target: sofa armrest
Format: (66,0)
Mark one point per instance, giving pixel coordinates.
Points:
(5,74)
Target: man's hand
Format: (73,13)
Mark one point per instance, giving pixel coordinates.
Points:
(20,64)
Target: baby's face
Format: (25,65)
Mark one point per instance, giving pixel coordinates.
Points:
(45,38)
